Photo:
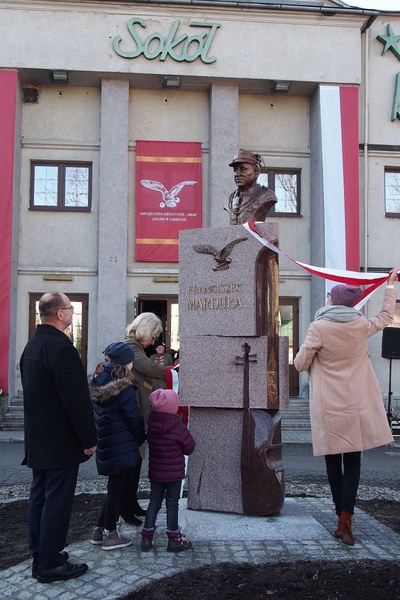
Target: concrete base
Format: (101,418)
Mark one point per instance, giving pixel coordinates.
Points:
(292,523)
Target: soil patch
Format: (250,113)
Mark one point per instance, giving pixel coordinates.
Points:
(14,534)
(294,581)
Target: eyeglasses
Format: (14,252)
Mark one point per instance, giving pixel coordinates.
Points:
(154,337)
(67,308)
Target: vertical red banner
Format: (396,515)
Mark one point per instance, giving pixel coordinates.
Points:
(168,197)
(351,177)
(8,95)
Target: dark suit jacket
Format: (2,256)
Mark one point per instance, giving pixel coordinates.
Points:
(59,421)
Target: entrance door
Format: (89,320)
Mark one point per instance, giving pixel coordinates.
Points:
(167,308)
(289,326)
(78,330)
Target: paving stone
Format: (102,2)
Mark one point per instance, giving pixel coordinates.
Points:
(116,573)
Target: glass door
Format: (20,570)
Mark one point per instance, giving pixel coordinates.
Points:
(167,308)
(289,326)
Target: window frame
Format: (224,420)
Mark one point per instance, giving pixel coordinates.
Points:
(161,305)
(293,302)
(271,172)
(62,166)
(390,215)
(33,319)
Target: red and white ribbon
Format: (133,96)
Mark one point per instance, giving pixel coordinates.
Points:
(372,280)
(172,379)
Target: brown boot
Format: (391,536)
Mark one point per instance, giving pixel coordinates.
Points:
(344,531)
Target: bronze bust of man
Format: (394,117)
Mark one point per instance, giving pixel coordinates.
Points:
(251,201)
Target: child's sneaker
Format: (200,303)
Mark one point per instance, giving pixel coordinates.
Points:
(114,540)
(176,543)
(97,536)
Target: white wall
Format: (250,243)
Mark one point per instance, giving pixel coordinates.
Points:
(252,44)
(64,125)
(278,127)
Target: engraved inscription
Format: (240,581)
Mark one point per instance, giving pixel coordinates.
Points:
(213,303)
(220,288)
(225,296)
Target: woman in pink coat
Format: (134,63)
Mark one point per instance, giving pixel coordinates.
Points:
(346,408)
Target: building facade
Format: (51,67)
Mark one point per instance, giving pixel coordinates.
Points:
(83,82)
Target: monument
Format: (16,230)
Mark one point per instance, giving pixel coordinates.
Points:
(233,369)
(251,200)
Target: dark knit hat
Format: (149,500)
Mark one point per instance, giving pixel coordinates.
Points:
(166,401)
(345,295)
(119,353)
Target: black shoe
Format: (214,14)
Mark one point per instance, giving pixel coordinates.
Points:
(62,573)
(132,520)
(140,512)
(64,556)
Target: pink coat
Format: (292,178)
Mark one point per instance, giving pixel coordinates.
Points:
(346,407)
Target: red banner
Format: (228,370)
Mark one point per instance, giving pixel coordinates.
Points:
(168,197)
(8,91)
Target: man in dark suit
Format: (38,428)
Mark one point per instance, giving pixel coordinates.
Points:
(59,435)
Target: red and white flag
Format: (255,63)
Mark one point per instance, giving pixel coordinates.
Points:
(372,281)
(340,176)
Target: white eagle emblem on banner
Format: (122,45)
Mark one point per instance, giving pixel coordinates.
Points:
(169,198)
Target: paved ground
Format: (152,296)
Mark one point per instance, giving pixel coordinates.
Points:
(380,466)
(303,530)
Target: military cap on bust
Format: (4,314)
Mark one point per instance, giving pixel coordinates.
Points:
(246,156)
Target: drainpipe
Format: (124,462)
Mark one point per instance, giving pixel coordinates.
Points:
(367,31)
(366,140)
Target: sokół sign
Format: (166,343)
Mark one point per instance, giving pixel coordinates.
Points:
(179,48)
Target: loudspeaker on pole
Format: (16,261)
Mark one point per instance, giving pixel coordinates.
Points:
(391,342)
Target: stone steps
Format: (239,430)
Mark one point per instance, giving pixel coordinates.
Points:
(295,417)
(14,417)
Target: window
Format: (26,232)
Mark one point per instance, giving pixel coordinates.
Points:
(77,331)
(289,326)
(61,186)
(392,192)
(396,318)
(286,185)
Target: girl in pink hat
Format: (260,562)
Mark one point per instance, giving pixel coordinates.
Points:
(169,441)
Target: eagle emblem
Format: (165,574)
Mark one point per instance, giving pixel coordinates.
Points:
(221,257)
(169,198)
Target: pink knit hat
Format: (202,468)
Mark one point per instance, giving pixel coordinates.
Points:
(345,295)
(166,401)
